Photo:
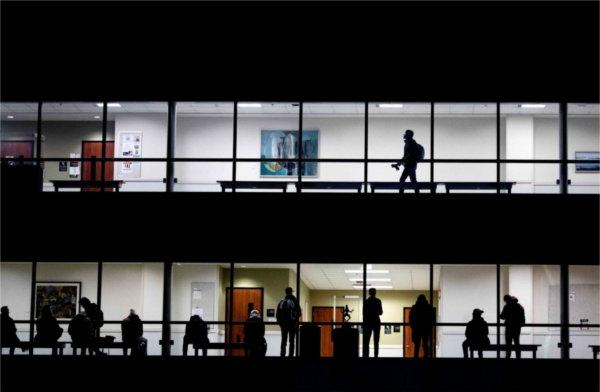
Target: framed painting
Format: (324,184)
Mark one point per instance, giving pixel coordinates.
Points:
(62,297)
(283,144)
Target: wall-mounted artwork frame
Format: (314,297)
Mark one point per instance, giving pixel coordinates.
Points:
(62,297)
(587,167)
(284,144)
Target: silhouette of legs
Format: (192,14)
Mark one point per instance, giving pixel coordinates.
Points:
(417,339)
(186,342)
(292,339)
(426,345)
(287,331)
(376,331)
(513,335)
(284,337)
(465,347)
(410,172)
(367,330)
(470,348)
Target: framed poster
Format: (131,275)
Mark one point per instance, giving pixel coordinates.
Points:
(284,145)
(587,167)
(62,297)
(130,146)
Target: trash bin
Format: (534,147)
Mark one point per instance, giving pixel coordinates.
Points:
(310,341)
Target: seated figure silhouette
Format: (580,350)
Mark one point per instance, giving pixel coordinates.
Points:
(254,335)
(196,334)
(513,315)
(96,317)
(82,332)
(477,335)
(413,153)
(8,331)
(132,331)
(48,330)
(421,322)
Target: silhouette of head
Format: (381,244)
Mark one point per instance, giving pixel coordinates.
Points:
(507,298)
(409,135)
(4,310)
(477,313)
(288,291)
(46,311)
(421,299)
(85,302)
(195,319)
(372,292)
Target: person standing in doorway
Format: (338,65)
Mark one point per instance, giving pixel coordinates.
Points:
(513,315)
(371,322)
(421,322)
(413,153)
(288,314)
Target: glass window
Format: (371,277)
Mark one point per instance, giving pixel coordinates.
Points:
(204,130)
(18,129)
(583,143)
(462,288)
(140,130)
(198,289)
(15,290)
(584,308)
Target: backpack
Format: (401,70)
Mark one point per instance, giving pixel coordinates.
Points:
(420,152)
(286,311)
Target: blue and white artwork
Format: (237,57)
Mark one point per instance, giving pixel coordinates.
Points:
(284,145)
(587,155)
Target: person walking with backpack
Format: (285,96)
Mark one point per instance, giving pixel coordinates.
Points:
(413,153)
(288,314)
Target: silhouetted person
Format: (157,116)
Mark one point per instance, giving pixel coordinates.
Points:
(421,323)
(371,322)
(96,317)
(254,335)
(81,331)
(513,315)
(48,330)
(8,331)
(196,334)
(288,314)
(477,335)
(413,153)
(132,332)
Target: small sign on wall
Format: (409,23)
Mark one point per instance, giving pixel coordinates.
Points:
(130,146)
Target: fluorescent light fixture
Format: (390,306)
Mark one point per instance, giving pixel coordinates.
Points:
(532,106)
(371,279)
(10,117)
(375,287)
(351,297)
(368,271)
(96,116)
(249,105)
(109,105)
(390,105)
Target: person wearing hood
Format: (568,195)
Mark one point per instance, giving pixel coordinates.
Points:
(9,332)
(477,335)
(254,335)
(132,331)
(421,322)
(196,334)
(513,315)
(48,330)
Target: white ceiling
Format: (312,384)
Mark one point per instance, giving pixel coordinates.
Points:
(81,111)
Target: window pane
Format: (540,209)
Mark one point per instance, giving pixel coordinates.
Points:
(584,143)
(466,172)
(18,129)
(140,132)
(584,308)
(198,289)
(530,177)
(340,128)
(15,291)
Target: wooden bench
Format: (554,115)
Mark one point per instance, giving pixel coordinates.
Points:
(337,185)
(281,185)
(101,345)
(504,347)
(57,347)
(218,346)
(396,185)
(470,186)
(595,349)
(116,185)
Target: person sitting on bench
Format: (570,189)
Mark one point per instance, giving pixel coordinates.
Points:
(8,332)
(254,335)
(48,330)
(196,333)
(82,333)
(477,334)
(132,331)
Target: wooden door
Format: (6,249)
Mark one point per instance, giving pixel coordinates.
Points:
(324,314)
(16,149)
(244,301)
(409,346)
(91,172)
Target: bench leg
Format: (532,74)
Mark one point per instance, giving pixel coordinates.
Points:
(204,352)
(534,354)
(195,352)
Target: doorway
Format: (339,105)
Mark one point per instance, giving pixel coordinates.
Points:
(244,300)
(409,346)
(324,314)
(91,172)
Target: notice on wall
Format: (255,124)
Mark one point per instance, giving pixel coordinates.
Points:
(73,165)
(130,146)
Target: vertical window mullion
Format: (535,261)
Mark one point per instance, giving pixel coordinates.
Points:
(38,147)
(497,147)
(431,141)
(103,155)
(32,302)
(300,126)
(498,310)
(366,157)
(234,154)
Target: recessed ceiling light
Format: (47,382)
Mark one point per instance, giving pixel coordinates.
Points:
(10,117)
(532,106)
(390,105)
(249,105)
(110,105)
(96,116)
(371,279)
(243,266)
(351,297)
(368,271)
